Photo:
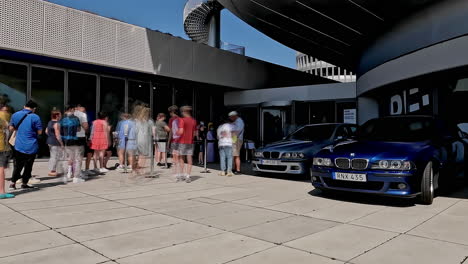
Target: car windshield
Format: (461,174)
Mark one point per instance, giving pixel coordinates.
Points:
(313,133)
(398,129)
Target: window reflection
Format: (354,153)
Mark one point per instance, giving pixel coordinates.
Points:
(82,90)
(47,89)
(13,85)
(112,98)
(138,94)
(162,98)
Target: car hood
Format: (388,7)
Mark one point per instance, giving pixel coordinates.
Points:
(294,146)
(378,149)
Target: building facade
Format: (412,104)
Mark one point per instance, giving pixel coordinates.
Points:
(57,55)
(408,55)
(324,69)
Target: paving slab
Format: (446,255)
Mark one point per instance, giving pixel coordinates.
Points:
(70,254)
(13,223)
(282,255)
(396,221)
(286,229)
(81,218)
(24,243)
(342,242)
(143,241)
(409,249)
(449,226)
(218,249)
(345,212)
(304,206)
(56,203)
(117,227)
(205,211)
(242,219)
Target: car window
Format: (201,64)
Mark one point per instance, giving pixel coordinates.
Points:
(352,130)
(342,133)
(313,133)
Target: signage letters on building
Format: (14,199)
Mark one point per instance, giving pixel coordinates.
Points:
(409,102)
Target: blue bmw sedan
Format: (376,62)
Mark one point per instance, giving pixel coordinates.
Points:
(402,156)
(293,155)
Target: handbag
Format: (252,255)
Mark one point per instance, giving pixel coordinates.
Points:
(12,139)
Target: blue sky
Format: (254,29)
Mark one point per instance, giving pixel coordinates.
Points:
(166,16)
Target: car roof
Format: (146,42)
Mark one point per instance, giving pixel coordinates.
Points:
(407,116)
(328,124)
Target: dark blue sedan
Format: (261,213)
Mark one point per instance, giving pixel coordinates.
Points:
(293,155)
(402,156)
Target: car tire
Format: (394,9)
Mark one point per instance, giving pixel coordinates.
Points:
(427,184)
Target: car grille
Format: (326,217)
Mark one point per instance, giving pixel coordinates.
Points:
(272,167)
(359,164)
(355,164)
(371,186)
(342,163)
(271,155)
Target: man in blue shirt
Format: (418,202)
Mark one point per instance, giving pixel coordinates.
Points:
(26,144)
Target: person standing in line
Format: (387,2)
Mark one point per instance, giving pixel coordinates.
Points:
(225,148)
(69,127)
(144,136)
(100,140)
(174,125)
(5,153)
(55,148)
(80,113)
(210,150)
(187,131)
(28,127)
(126,143)
(201,136)
(161,131)
(238,139)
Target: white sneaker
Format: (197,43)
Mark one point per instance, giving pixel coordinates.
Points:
(179,178)
(188,179)
(65,179)
(70,172)
(103,170)
(33,180)
(78,180)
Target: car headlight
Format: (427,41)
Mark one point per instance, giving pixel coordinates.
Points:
(393,165)
(322,162)
(258,154)
(293,155)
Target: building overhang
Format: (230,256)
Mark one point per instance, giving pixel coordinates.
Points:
(336,31)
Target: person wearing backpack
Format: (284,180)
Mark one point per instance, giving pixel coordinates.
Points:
(25,126)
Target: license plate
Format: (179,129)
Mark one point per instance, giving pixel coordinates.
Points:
(270,162)
(350,177)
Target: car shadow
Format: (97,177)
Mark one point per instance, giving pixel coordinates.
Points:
(361,198)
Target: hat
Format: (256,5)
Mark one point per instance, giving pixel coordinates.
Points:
(233,113)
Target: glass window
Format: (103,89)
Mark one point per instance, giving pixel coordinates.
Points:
(203,109)
(112,98)
(408,129)
(82,90)
(313,133)
(47,90)
(162,98)
(138,94)
(184,96)
(13,85)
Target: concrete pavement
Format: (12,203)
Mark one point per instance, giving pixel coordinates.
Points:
(240,220)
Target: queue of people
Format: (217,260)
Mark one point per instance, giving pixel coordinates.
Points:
(71,138)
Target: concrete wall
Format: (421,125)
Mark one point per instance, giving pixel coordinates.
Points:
(335,91)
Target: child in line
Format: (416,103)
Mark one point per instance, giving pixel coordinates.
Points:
(100,139)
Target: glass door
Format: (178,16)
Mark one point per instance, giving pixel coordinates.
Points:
(273,123)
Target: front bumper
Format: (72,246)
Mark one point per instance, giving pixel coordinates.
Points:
(378,182)
(280,166)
